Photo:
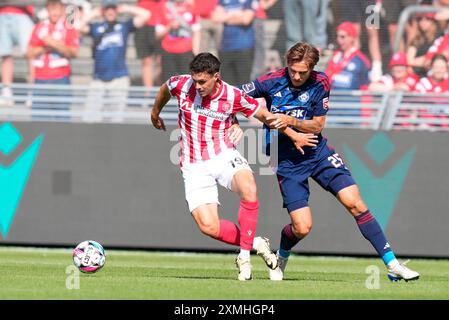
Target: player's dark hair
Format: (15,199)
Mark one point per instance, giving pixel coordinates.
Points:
(303,52)
(205,62)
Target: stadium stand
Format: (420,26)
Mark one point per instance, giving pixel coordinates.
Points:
(353,109)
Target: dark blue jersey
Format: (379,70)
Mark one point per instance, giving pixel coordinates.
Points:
(304,102)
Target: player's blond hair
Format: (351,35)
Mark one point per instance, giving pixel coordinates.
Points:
(303,51)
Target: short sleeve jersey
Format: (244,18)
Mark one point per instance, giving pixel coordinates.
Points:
(305,102)
(52,65)
(110,51)
(204,121)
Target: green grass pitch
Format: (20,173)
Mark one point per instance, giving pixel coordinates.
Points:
(31,273)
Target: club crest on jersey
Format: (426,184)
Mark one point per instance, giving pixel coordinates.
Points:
(226,107)
(304,97)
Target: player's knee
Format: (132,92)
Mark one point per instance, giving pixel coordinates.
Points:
(301,228)
(209,229)
(356,206)
(248,192)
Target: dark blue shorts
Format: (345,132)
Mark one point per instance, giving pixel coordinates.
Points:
(329,172)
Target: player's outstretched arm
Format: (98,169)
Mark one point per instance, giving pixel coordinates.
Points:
(161,100)
(299,139)
(279,121)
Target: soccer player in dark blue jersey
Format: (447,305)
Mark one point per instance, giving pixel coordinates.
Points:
(298,97)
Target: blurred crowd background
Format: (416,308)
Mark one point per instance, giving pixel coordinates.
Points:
(117,44)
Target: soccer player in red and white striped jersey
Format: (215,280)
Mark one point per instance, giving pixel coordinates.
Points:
(207,109)
(203,129)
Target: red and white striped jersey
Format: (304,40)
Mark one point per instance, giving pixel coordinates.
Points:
(204,121)
(410,80)
(428,85)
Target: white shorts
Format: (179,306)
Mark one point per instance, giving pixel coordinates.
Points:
(200,179)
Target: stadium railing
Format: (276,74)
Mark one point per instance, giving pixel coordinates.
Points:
(418,112)
(348,109)
(404,17)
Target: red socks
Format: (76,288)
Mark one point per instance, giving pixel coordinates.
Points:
(247,219)
(229,233)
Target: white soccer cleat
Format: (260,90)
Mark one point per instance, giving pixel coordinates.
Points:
(264,251)
(400,271)
(278,273)
(244,266)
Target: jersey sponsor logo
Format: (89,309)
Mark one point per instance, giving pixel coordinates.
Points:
(211,113)
(297,113)
(326,103)
(112,40)
(304,97)
(249,87)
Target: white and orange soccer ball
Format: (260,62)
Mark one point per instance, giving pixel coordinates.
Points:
(89,256)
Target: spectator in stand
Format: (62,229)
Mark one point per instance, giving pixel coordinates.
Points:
(393,9)
(110,40)
(355,11)
(303,20)
(53,44)
(260,53)
(427,32)
(321,25)
(439,47)
(399,78)
(436,82)
(238,41)
(348,68)
(260,63)
(146,42)
(276,49)
(258,67)
(179,32)
(16,26)
(442,16)
(211,32)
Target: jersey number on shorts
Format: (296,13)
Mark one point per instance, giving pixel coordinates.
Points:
(238,162)
(336,161)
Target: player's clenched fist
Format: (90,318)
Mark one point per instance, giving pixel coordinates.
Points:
(157,122)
